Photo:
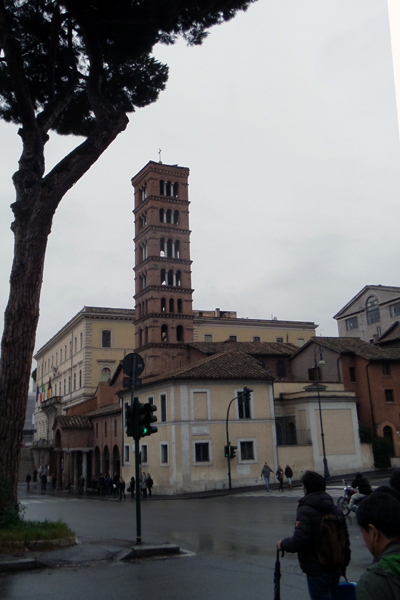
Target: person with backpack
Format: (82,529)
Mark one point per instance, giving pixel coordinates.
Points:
(320,538)
(378,517)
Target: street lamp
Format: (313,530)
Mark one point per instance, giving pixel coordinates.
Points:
(318,349)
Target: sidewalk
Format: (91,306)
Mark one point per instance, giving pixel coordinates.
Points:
(336,479)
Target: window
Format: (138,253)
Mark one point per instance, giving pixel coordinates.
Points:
(126,454)
(352,374)
(164,333)
(106,339)
(179,305)
(74,382)
(386,369)
(69,384)
(395,310)
(300,342)
(80,341)
(372,308)
(208,337)
(105,428)
(279,340)
(256,338)
(60,356)
(80,379)
(389,396)
(164,454)
(179,333)
(115,427)
(97,430)
(65,386)
(75,345)
(105,374)
(246,451)
(280,369)
(144,454)
(233,338)
(163,408)
(351,323)
(202,453)
(243,406)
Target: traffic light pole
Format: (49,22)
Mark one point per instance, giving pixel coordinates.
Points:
(138,487)
(228,442)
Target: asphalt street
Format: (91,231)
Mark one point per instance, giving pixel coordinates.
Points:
(229,543)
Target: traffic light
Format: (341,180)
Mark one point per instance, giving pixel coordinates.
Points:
(226,451)
(233,451)
(246,394)
(146,418)
(129,421)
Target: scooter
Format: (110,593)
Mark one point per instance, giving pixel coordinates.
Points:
(344,501)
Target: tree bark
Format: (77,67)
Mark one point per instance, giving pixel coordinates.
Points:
(37,198)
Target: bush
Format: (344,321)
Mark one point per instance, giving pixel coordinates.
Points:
(382,450)
(10,514)
(366,434)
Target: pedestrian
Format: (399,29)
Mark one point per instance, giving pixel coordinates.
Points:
(53,479)
(363,486)
(150,483)
(378,517)
(279,476)
(93,483)
(102,487)
(34,475)
(143,485)
(289,475)
(81,484)
(121,487)
(132,487)
(43,481)
(108,485)
(28,480)
(266,472)
(115,484)
(316,503)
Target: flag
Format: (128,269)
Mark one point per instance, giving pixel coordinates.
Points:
(37,393)
(49,388)
(42,392)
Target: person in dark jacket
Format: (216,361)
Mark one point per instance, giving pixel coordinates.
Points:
(279,476)
(379,519)
(316,503)
(363,486)
(289,475)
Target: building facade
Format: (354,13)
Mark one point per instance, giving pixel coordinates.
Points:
(370,313)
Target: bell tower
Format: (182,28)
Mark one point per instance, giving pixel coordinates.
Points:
(163,286)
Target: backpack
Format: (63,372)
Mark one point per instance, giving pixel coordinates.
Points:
(332,544)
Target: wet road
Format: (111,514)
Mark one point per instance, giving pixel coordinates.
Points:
(231,541)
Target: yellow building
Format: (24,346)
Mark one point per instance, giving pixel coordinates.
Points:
(71,364)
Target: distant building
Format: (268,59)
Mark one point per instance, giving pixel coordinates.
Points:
(370,313)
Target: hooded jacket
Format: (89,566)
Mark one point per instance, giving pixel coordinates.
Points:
(307,533)
(382,579)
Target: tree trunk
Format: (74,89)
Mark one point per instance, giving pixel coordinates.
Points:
(36,201)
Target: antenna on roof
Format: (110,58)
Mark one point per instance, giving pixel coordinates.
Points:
(159,155)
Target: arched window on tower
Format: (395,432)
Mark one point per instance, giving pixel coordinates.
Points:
(373,314)
(171,305)
(161,215)
(140,337)
(105,374)
(178,279)
(140,310)
(163,305)
(179,333)
(162,277)
(179,305)
(162,247)
(176,189)
(161,187)
(168,189)
(176,217)
(169,249)
(177,249)
(170,277)
(164,333)
(168,216)
(146,335)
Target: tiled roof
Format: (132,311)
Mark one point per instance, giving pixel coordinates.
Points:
(73,422)
(232,364)
(391,334)
(104,410)
(254,348)
(356,346)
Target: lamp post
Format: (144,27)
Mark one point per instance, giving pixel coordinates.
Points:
(318,349)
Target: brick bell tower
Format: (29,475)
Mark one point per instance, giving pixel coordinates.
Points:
(163,288)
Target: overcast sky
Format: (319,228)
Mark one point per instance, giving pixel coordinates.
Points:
(286,117)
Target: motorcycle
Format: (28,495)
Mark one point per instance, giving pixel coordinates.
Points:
(344,501)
